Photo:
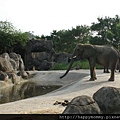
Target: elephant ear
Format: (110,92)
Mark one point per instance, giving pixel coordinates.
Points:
(78,51)
(89,51)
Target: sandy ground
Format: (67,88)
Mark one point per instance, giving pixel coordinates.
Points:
(74,84)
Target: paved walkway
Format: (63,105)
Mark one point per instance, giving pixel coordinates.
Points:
(74,84)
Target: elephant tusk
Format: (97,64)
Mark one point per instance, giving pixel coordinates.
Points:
(74,57)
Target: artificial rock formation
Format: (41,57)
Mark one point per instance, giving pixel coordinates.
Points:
(10,64)
(108,99)
(39,54)
(105,101)
(82,105)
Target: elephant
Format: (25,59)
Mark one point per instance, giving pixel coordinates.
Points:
(106,69)
(104,55)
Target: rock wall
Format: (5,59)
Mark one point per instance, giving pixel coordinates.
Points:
(12,68)
(40,55)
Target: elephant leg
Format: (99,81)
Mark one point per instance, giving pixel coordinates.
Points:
(119,65)
(93,74)
(112,76)
(119,68)
(92,70)
(106,70)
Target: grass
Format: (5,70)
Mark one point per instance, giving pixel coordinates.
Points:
(80,64)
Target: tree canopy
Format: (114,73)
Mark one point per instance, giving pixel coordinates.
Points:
(66,40)
(9,36)
(104,31)
(108,31)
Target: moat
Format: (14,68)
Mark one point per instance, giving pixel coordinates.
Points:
(24,90)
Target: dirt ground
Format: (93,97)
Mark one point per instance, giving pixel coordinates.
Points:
(76,83)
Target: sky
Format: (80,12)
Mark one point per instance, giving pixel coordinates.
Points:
(43,16)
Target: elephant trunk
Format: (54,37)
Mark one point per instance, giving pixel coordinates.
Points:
(72,60)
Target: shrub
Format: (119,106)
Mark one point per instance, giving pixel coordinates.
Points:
(81,64)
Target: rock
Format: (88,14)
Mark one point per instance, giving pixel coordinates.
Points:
(3,76)
(21,63)
(65,103)
(23,74)
(60,57)
(57,102)
(13,77)
(39,65)
(108,99)
(5,55)
(82,105)
(45,65)
(13,64)
(5,65)
(18,60)
(38,46)
(9,65)
(10,62)
(39,54)
(15,57)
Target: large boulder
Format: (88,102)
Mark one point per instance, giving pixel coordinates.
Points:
(18,60)
(108,99)
(24,74)
(39,46)
(82,105)
(15,57)
(39,54)
(35,64)
(60,57)
(10,64)
(3,76)
(13,77)
(14,61)
(5,65)
(21,63)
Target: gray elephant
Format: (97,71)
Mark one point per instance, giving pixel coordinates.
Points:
(106,69)
(104,55)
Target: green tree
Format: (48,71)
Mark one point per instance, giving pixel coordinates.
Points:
(81,34)
(9,36)
(108,31)
(66,40)
(63,40)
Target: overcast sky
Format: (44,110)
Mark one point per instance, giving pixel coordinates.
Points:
(44,16)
